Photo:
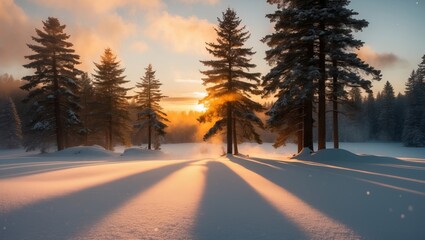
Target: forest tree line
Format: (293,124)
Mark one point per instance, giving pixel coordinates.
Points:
(316,80)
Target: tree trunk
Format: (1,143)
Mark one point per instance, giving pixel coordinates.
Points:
(335,107)
(308,124)
(229,128)
(110,134)
(300,133)
(321,133)
(149,134)
(235,138)
(58,113)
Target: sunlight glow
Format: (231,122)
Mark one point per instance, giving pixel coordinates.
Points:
(314,223)
(163,211)
(15,192)
(200,108)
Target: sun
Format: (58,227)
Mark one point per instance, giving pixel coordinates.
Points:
(200,108)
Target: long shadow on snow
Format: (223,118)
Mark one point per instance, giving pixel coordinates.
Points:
(66,216)
(366,208)
(231,209)
(43,167)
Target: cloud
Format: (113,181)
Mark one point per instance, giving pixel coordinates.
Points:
(188,81)
(181,100)
(211,2)
(181,34)
(139,46)
(100,6)
(91,40)
(14,34)
(379,60)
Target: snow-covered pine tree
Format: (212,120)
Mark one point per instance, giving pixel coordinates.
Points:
(52,88)
(228,101)
(344,66)
(294,73)
(387,115)
(87,102)
(10,125)
(111,114)
(414,127)
(371,116)
(150,116)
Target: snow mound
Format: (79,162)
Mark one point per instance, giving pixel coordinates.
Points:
(340,155)
(83,151)
(141,153)
(305,154)
(330,154)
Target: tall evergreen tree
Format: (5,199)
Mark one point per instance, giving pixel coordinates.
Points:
(387,115)
(371,116)
(10,125)
(293,77)
(414,127)
(150,113)
(346,69)
(87,102)
(312,42)
(228,100)
(52,88)
(111,115)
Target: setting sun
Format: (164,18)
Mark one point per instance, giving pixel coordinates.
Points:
(200,108)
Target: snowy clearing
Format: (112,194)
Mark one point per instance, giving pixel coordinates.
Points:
(187,191)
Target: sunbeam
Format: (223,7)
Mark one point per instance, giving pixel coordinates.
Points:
(163,211)
(15,192)
(314,223)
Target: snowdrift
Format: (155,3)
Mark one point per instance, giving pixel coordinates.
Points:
(83,152)
(340,155)
(137,153)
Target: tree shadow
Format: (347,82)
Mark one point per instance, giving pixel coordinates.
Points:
(66,216)
(231,209)
(44,167)
(366,207)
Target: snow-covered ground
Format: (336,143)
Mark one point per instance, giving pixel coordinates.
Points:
(187,191)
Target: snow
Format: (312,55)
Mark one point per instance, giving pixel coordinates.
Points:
(372,191)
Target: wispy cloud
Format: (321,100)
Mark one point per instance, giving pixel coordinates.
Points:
(182,34)
(211,2)
(140,46)
(379,60)
(15,26)
(188,81)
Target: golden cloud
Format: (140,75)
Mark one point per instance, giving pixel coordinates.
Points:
(14,34)
(180,33)
(199,1)
(100,6)
(139,46)
(90,42)
(378,60)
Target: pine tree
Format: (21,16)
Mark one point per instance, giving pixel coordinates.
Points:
(312,42)
(111,114)
(387,117)
(371,116)
(87,102)
(228,100)
(294,74)
(346,69)
(414,127)
(10,125)
(52,88)
(150,113)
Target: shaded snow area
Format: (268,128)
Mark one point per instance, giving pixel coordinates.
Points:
(194,191)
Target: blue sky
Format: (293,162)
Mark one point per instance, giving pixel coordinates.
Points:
(170,34)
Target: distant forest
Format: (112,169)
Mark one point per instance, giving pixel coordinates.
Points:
(321,91)
(365,118)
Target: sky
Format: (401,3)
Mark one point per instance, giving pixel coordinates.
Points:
(171,35)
